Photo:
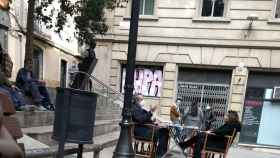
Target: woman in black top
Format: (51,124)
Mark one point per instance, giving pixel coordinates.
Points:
(231,123)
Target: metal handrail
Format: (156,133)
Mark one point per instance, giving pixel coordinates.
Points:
(97,80)
(106,87)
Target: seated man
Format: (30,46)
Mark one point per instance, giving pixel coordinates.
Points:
(141,115)
(231,123)
(35,88)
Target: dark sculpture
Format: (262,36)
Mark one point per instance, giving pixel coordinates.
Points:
(87,65)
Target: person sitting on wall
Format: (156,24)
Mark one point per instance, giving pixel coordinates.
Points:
(142,115)
(36,89)
(231,123)
(5,86)
(11,91)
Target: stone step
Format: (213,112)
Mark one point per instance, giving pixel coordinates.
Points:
(44,133)
(34,118)
(46,118)
(100,143)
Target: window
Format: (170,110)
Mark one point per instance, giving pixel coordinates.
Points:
(38,63)
(213,8)
(147,7)
(277,9)
(63,73)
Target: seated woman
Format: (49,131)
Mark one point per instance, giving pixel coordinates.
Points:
(174,114)
(37,89)
(141,115)
(231,123)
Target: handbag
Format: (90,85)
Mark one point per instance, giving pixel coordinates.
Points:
(8,146)
(7,104)
(13,127)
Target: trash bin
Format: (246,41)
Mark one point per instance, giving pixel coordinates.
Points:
(74,116)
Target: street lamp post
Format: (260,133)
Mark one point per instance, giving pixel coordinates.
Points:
(124,147)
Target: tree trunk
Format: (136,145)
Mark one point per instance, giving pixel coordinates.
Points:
(29,33)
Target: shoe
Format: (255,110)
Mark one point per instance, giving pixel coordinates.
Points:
(51,107)
(41,108)
(28,108)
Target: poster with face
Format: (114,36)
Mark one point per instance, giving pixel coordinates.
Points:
(138,80)
(156,84)
(147,81)
(123,79)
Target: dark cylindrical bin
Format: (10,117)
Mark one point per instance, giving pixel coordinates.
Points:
(74,116)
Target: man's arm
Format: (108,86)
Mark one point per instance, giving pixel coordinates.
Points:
(142,116)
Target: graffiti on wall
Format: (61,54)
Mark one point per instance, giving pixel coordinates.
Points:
(147,81)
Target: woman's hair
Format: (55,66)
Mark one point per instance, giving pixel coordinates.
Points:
(233,117)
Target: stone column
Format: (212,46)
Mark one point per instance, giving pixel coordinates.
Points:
(238,89)
(115,75)
(168,89)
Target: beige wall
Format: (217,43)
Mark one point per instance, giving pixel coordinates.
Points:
(176,36)
(54,48)
(177,22)
(203,55)
(174,56)
(51,63)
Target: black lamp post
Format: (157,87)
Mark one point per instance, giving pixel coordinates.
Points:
(124,147)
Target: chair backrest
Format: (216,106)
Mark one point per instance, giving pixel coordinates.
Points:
(218,144)
(144,144)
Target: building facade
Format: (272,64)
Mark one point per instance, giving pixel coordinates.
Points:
(223,52)
(54,54)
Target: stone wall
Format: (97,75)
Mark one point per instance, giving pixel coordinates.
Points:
(238,89)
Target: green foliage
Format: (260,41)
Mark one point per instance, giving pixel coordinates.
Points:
(88,16)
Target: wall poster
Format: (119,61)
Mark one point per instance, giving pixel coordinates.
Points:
(147,80)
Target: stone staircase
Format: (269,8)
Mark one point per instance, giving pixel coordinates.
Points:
(39,124)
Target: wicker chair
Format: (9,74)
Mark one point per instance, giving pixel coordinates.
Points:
(144,147)
(224,143)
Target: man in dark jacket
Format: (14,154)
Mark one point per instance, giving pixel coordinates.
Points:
(35,88)
(142,115)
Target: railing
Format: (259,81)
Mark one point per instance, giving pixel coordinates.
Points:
(109,96)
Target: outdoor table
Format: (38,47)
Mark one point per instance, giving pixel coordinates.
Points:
(177,131)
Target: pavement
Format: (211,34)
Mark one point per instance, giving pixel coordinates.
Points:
(234,152)
(239,152)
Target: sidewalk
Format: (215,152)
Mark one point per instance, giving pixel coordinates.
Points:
(248,153)
(233,153)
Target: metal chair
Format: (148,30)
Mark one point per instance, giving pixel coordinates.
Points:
(144,147)
(219,147)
